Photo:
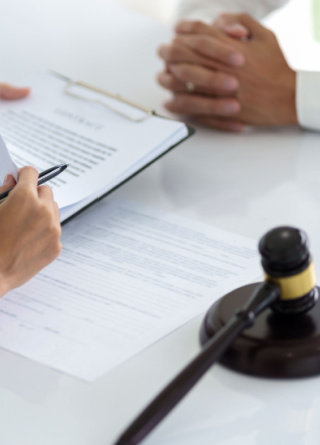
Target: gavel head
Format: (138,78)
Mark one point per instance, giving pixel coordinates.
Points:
(286,261)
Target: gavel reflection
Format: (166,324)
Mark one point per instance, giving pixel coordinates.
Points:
(283,342)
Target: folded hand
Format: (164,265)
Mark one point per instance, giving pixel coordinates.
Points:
(236,71)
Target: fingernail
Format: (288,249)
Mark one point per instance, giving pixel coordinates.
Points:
(231,107)
(236,59)
(230,84)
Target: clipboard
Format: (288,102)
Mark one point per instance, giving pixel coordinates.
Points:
(68,89)
(105,138)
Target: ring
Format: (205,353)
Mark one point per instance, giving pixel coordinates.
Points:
(190,87)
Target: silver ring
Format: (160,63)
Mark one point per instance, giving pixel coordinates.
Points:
(190,87)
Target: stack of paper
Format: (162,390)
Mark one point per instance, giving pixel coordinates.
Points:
(127,276)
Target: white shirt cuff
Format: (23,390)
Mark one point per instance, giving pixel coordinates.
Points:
(208,10)
(203,15)
(308,99)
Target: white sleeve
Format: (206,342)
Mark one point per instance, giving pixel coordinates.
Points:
(208,10)
(308,99)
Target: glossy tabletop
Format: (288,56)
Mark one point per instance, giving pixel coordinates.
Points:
(244,183)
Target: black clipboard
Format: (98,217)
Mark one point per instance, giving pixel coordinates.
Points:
(145,113)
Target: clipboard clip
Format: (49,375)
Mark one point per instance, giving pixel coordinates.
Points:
(113,102)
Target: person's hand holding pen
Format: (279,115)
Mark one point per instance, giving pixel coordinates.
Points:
(29,228)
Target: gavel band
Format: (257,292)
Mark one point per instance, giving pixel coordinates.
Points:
(295,286)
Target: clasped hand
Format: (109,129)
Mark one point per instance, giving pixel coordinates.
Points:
(228,74)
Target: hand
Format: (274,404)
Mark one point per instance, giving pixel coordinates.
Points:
(266,84)
(29,228)
(9,92)
(193,62)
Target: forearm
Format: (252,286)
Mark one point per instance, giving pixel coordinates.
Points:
(308,99)
(208,10)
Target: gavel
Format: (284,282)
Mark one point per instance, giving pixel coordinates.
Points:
(269,329)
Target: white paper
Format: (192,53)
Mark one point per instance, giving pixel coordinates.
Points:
(127,276)
(101,147)
(7,166)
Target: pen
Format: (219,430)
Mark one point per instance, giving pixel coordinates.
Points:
(44,176)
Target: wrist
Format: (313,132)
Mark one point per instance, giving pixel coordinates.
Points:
(292,111)
(287,99)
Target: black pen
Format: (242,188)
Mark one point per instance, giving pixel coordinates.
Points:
(44,176)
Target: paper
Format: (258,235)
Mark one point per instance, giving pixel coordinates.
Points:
(127,276)
(7,166)
(102,147)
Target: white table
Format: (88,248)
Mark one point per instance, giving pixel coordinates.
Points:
(243,183)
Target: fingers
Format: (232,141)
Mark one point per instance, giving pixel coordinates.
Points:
(209,42)
(8,183)
(201,105)
(49,212)
(183,65)
(204,79)
(30,228)
(229,24)
(212,48)
(220,124)
(254,28)
(28,177)
(242,25)
(168,81)
(176,52)
(45,193)
(56,212)
(195,27)
(9,92)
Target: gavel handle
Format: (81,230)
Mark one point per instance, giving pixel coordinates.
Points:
(262,297)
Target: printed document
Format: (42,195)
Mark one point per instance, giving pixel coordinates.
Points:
(127,276)
(7,166)
(103,140)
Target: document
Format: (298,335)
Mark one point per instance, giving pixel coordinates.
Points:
(127,276)
(104,140)
(7,166)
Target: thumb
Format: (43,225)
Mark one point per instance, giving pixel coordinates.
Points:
(9,92)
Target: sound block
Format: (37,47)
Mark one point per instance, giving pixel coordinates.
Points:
(277,346)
